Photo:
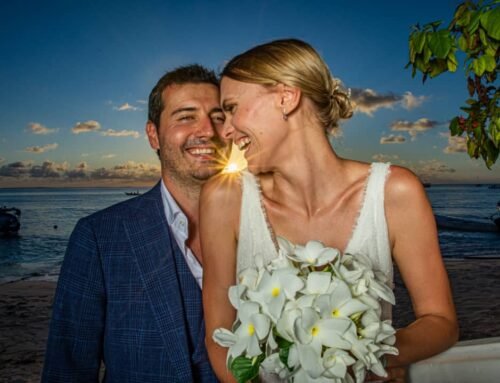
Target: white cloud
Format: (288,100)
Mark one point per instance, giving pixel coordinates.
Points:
(125,107)
(410,101)
(392,139)
(379,157)
(16,169)
(36,128)
(121,133)
(368,101)
(41,149)
(87,126)
(141,101)
(433,167)
(105,156)
(413,128)
(130,170)
(456,144)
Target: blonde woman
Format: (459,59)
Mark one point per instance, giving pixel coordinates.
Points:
(280,100)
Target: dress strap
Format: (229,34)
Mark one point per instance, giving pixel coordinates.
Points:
(255,235)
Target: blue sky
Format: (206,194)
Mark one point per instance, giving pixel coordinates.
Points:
(76,74)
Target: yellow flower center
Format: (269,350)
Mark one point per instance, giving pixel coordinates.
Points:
(275,291)
(250,329)
(335,313)
(314,331)
(310,260)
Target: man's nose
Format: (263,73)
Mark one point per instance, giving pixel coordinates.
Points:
(205,128)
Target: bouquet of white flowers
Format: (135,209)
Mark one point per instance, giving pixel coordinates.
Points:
(308,316)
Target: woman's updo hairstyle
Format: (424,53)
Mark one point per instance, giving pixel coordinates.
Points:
(294,63)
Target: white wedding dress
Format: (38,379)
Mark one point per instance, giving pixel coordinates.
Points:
(369,236)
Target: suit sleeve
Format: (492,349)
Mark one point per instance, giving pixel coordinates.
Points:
(74,346)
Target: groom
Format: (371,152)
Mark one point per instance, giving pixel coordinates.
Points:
(129,292)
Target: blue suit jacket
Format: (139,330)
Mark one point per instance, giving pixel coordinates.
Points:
(124,297)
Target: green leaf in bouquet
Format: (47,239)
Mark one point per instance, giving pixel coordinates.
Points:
(245,369)
(284,349)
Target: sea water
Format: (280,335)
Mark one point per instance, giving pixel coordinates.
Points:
(49,216)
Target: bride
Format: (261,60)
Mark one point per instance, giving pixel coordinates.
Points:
(280,102)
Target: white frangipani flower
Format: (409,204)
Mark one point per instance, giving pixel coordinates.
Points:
(253,328)
(336,362)
(313,254)
(274,289)
(310,329)
(318,282)
(339,303)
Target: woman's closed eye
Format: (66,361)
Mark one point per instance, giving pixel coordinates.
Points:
(229,108)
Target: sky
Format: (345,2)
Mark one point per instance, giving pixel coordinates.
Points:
(75,76)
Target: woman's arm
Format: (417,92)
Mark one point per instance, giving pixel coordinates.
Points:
(415,249)
(219,221)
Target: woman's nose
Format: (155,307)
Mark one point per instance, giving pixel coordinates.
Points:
(227,130)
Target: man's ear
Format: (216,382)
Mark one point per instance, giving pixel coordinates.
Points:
(288,98)
(152,133)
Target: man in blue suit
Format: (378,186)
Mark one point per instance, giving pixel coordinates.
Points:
(129,291)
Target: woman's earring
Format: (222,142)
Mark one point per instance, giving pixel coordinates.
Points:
(285,116)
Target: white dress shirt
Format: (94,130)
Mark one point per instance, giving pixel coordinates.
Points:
(178,223)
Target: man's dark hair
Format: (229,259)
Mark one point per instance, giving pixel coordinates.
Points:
(189,74)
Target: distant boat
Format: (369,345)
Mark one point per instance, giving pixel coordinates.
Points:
(426,184)
(133,193)
(10,218)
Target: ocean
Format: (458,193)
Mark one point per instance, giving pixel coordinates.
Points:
(50,214)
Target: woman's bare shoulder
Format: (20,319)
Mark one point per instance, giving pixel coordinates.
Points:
(404,189)
(222,190)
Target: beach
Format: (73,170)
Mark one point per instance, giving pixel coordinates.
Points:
(26,309)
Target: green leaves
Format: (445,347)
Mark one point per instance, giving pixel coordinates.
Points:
(490,21)
(440,43)
(475,31)
(482,64)
(245,369)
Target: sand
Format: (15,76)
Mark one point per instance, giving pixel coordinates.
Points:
(26,307)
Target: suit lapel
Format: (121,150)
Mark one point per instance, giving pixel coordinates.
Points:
(149,238)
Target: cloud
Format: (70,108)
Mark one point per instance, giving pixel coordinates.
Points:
(87,126)
(456,144)
(141,101)
(433,167)
(49,169)
(368,101)
(130,170)
(41,149)
(16,169)
(379,157)
(79,172)
(121,133)
(125,107)
(392,139)
(108,156)
(410,101)
(413,128)
(85,154)
(2,160)
(36,128)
